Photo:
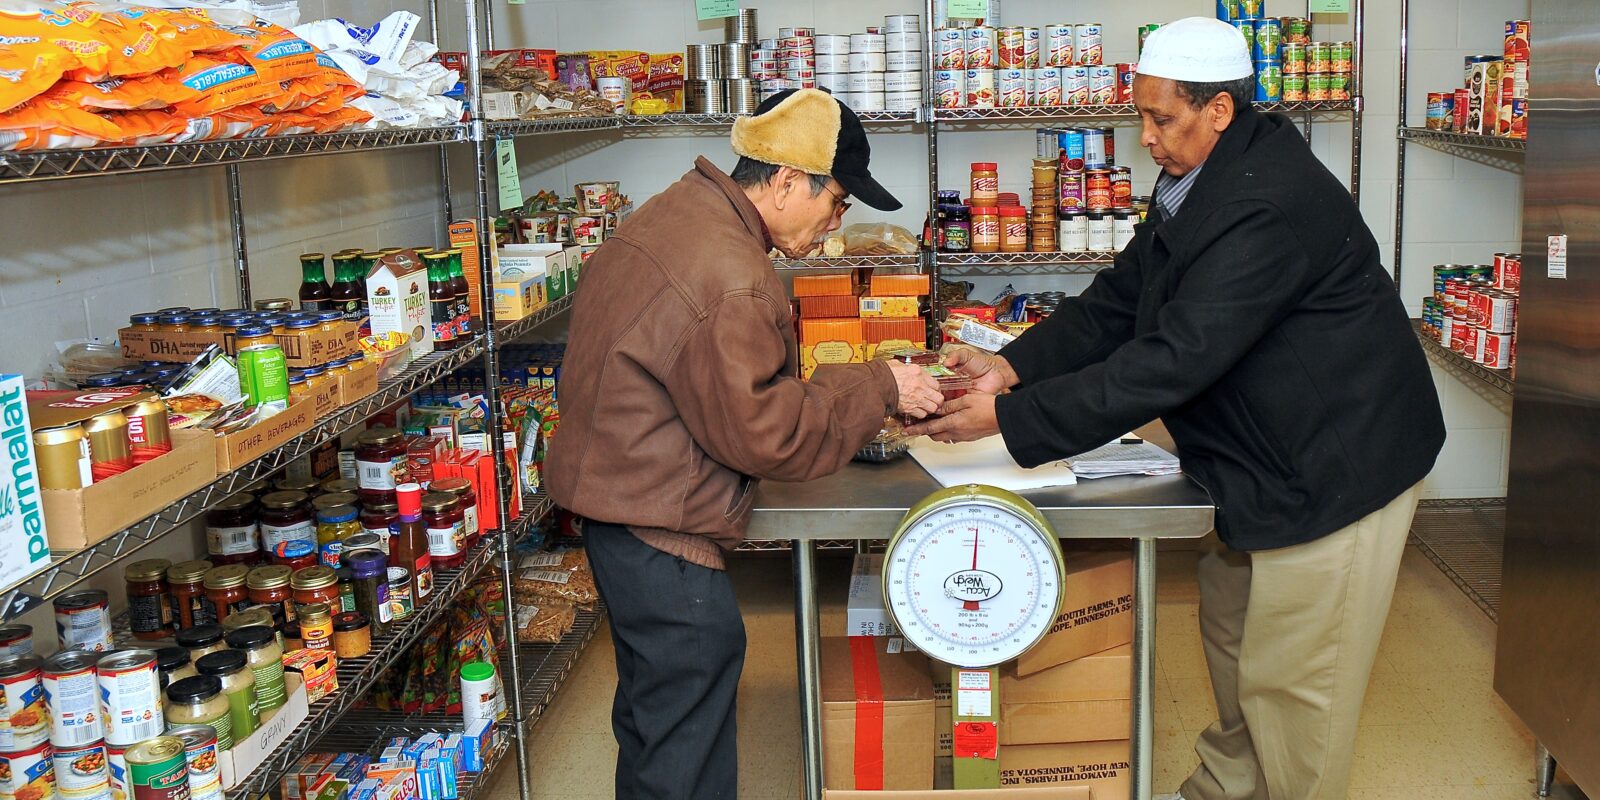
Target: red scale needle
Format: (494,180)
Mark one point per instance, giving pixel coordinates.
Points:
(972,605)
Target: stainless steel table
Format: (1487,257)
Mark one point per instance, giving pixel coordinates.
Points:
(867,501)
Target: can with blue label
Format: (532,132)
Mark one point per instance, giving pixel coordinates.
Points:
(1070,141)
(1269,81)
(1269,37)
(1247,29)
(1227,10)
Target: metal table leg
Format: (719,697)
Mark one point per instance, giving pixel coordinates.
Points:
(808,651)
(1144,666)
(1546,766)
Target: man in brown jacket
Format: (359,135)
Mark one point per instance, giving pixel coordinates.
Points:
(678,393)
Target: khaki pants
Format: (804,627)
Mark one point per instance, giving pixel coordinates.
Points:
(1290,636)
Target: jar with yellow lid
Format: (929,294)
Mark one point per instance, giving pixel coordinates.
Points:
(316,626)
(269,589)
(186,585)
(149,606)
(297,483)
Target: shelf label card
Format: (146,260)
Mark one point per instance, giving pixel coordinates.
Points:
(1330,6)
(1556,257)
(968,9)
(713,9)
(508,179)
(974,695)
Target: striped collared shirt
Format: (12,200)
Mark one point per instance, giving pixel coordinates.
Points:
(1171,192)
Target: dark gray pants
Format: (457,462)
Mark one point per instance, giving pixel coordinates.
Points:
(680,648)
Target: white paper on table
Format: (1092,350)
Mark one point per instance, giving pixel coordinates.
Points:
(987,462)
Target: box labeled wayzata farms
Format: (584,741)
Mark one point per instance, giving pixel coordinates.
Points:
(24,544)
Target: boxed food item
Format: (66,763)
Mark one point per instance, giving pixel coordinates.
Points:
(865,614)
(276,725)
(464,237)
(300,348)
(236,449)
(316,670)
(24,540)
(820,285)
(397,300)
(1096,614)
(834,306)
(875,305)
(885,332)
(518,261)
(1100,767)
(1007,793)
(514,300)
(1084,700)
(830,341)
(358,383)
(899,285)
(860,676)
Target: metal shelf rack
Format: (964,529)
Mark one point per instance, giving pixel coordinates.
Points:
(1119,111)
(1498,386)
(727,120)
(907,262)
(971,265)
(1500,152)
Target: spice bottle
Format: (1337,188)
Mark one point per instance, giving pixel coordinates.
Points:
(265,658)
(316,626)
(199,701)
(149,605)
(352,635)
(369,576)
(186,582)
(442,514)
(410,544)
(231,668)
(985,229)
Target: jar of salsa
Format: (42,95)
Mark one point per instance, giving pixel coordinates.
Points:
(441,513)
(316,584)
(467,497)
(269,589)
(382,519)
(303,483)
(336,522)
(186,583)
(380,455)
(296,555)
(226,590)
(232,536)
(332,485)
(286,516)
(149,607)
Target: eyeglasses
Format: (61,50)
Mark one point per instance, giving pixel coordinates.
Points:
(839,204)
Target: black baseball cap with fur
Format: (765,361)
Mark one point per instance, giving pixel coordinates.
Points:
(811,131)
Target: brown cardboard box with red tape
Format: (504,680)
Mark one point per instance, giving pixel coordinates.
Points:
(877,715)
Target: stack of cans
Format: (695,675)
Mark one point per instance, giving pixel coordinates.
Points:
(1493,100)
(1473,310)
(868,61)
(703,91)
(902,34)
(1289,67)
(1022,67)
(1094,196)
(725,78)
(786,62)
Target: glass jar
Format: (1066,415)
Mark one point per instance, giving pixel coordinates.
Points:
(328,321)
(316,584)
(232,536)
(441,513)
(316,626)
(985,229)
(298,483)
(347,590)
(173,323)
(286,516)
(467,497)
(333,485)
(380,454)
(316,377)
(186,583)
(957,229)
(336,521)
(201,640)
(295,555)
(985,180)
(232,669)
(199,701)
(205,324)
(1013,229)
(256,333)
(352,635)
(381,519)
(365,541)
(297,385)
(400,603)
(261,649)
(173,664)
(369,577)
(291,637)
(269,589)
(252,616)
(149,604)
(144,322)
(226,590)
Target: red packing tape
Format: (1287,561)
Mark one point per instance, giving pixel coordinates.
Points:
(869,713)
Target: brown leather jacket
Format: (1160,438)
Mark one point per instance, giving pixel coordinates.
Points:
(679,389)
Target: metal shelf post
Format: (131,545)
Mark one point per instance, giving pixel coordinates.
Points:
(241,259)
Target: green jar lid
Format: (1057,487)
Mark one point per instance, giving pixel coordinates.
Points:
(477,671)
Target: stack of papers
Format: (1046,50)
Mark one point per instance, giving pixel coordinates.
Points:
(986,462)
(1124,459)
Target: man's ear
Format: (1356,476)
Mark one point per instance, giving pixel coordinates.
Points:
(1221,110)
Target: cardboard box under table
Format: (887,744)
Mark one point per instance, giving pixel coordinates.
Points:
(1096,614)
(877,715)
(1034,793)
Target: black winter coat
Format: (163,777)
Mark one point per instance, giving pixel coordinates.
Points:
(1260,326)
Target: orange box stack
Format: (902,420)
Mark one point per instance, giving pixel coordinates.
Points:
(842,322)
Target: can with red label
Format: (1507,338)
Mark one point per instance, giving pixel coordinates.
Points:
(1009,47)
(1500,312)
(1125,73)
(1070,186)
(1468,345)
(1458,110)
(1097,189)
(28,773)
(1498,350)
(1121,187)
(1058,45)
(1509,274)
(1075,85)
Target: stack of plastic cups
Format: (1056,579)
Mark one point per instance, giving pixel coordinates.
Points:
(702,84)
(833,63)
(1042,220)
(903,61)
(868,62)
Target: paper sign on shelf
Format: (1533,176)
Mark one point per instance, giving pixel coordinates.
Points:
(968,9)
(507,178)
(1330,7)
(713,9)
(1556,257)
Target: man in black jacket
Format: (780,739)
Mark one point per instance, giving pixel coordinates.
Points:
(1252,315)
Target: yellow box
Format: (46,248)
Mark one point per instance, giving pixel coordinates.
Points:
(830,341)
(899,307)
(517,300)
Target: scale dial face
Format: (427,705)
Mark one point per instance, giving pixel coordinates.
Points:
(973,582)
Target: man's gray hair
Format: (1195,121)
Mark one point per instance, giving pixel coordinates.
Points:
(1242,90)
(750,173)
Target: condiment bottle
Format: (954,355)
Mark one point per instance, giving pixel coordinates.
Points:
(442,513)
(149,604)
(985,229)
(186,582)
(296,555)
(380,457)
(441,301)
(265,658)
(467,497)
(232,535)
(410,544)
(336,521)
(316,626)
(313,282)
(286,516)
(316,584)
(347,291)
(458,284)
(352,635)
(369,575)
(957,229)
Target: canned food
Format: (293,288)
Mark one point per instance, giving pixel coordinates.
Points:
(1075,85)
(28,774)
(1070,185)
(158,769)
(148,436)
(200,752)
(1269,82)
(1097,189)
(16,640)
(130,696)
(110,453)
(1087,43)
(1102,85)
(82,772)
(1044,146)
(1125,75)
(979,44)
(1094,149)
(83,621)
(949,88)
(117,767)
(24,713)
(1252,9)
(1338,86)
(949,49)
(1227,10)
(1342,57)
(1121,187)
(1247,29)
(1293,56)
(1497,351)
(1296,30)
(1070,146)
(71,688)
(1317,87)
(1499,312)
(1058,45)
(1047,87)
(1294,88)
(1008,47)
(1319,57)
(1440,110)
(1012,88)
(979,84)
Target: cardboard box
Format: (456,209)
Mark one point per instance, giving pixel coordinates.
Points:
(300,349)
(80,517)
(1097,613)
(860,677)
(518,261)
(1033,793)
(899,285)
(819,285)
(830,341)
(881,332)
(24,535)
(241,447)
(1101,767)
(464,236)
(354,385)
(397,300)
(514,301)
(324,399)
(830,306)
(885,306)
(276,725)
(1084,700)
(944,740)
(865,614)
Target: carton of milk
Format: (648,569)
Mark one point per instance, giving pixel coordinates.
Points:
(24,545)
(397,300)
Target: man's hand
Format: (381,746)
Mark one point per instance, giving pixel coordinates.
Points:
(990,373)
(919,392)
(965,419)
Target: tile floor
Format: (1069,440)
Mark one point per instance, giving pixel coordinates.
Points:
(1432,727)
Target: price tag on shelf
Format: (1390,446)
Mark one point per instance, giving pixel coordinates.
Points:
(1330,6)
(713,9)
(508,179)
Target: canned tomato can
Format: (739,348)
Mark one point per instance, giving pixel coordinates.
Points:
(1121,187)
(1293,55)
(1075,85)
(1058,45)
(1319,57)
(1094,149)
(1497,350)
(949,49)
(1008,48)
(71,687)
(200,752)
(117,769)
(1097,189)
(1070,143)
(24,713)
(949,88)
(63,455)
(1011,87)
(1087,43)
(1500,312)
(148,435)
(979,44)
(1102,85)
(82,772)
(83,621)
(1269,36)
(1269,82)
(158,769)
(16,639)
(1460,335)
(1294,88)
(130,696)
(1125,74)
(1047,87)
(979,84)
(29,773)
(110,453)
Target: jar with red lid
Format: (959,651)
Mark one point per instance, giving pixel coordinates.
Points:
(232,535)
(441,514)
(149,607)
(316,584)
(467,497)
(226,590)
(286,516)
(380,458)
(296,555)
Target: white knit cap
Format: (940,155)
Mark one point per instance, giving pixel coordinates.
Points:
(1198,49)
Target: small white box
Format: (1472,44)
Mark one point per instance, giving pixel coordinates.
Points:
(865,614)
(24,544)
(518,261)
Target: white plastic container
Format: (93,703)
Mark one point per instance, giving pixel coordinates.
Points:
(481,697)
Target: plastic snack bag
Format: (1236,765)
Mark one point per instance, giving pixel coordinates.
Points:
(222,85)
(150,92)
(45,122)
